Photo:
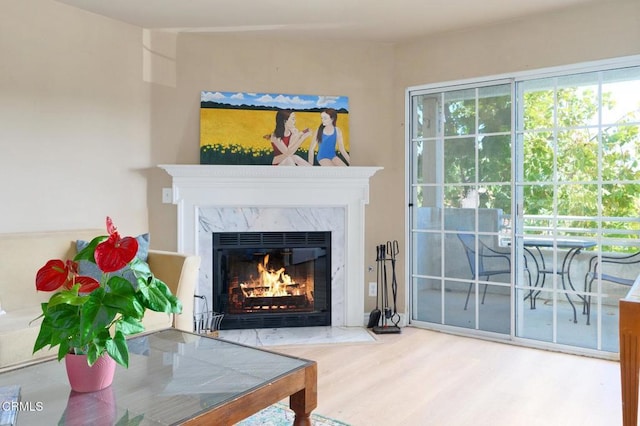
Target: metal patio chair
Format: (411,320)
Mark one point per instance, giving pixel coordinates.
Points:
(622,275)
(483,271)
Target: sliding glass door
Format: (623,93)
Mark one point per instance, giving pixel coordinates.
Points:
(521,191)
(461,196)
(578,183)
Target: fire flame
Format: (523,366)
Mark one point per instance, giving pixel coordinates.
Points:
(271,282)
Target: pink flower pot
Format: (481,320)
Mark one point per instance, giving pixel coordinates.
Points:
(85,378)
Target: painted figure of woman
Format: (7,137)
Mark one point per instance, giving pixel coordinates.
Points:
(327,137)
(286,139)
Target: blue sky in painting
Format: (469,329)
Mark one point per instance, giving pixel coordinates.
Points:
(283,101)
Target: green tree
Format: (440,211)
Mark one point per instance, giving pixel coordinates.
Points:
(573,152)
(561,147)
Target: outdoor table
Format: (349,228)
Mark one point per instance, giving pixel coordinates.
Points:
(574,246)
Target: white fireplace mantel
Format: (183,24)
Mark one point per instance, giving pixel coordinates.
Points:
(341,190)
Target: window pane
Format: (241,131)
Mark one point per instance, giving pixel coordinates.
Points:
(618,201)
(460,160)
(577,100)
(460,112)
(538,199)
(425,161)
(427,251)
(581,147)
(577,200)
(621,235)
(538,156)
(620,153)
(427,299)
(538,99)
(494,109)
(494,158)
(618,105)
(425,113)
(426,196)
(497,197)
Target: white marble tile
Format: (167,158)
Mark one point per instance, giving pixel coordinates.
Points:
(297,336)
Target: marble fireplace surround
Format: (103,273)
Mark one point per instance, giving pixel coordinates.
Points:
(217,198)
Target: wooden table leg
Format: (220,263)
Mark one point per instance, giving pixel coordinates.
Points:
(304,401)
(629,360)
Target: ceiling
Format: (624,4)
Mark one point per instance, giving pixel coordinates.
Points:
(363,20)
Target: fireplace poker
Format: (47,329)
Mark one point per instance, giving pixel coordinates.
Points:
(374,316)
(387,310)
(394,249)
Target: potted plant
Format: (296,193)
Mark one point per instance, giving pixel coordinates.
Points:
(91,316)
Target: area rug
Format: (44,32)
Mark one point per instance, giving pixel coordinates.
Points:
(281,415)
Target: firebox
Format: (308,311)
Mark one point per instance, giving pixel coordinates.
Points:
(272,279)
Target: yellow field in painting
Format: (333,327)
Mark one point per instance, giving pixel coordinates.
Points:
(247,127)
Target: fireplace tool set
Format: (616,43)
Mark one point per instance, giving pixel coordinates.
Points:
(385,253)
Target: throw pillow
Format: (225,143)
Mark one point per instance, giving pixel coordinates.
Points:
(90,269)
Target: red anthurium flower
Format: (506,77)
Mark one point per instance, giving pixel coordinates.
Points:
(114,253)
(87,284)
(52,276)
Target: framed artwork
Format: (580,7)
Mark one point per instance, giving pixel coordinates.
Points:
(274,129)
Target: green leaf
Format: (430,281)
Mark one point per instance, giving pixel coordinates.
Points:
(95,315)
(98,345)
(44,337)
(121,298)
(63,350)
(93,354)
(121,286)
(125,421)
(130,325)
(69,297)
(158,297)
(87,252)
(118,350)
(141,271)
(59,326)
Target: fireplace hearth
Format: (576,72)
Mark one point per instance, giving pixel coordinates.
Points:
(272,279)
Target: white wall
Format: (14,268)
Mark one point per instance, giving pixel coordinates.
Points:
(589,32)
(74,114)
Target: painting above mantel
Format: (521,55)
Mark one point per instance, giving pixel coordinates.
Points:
(243,128)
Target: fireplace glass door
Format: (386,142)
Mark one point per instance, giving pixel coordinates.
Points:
(272,279)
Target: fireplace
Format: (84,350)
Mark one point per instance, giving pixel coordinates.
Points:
(272,279)
(213,199)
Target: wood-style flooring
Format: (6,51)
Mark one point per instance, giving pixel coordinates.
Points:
(423,377)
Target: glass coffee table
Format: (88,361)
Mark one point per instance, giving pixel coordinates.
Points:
(174,378)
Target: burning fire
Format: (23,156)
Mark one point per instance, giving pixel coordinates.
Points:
(271,282)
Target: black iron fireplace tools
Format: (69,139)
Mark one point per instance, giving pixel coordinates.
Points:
(374,316)
(391,249)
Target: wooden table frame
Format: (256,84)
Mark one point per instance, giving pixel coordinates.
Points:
(301,386)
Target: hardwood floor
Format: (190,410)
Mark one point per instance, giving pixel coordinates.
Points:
(423,377)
